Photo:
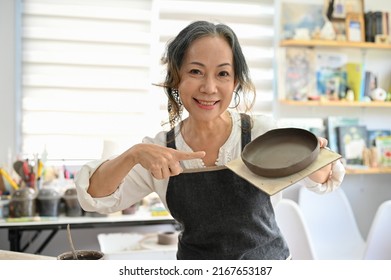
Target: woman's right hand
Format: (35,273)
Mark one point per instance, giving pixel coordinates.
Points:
(161,161)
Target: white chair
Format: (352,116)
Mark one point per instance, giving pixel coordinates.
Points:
(294,229)
(332,225)
(379,236)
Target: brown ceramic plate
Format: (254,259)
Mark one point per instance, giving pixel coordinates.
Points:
(281,152)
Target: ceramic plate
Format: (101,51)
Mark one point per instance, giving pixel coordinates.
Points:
(281,152)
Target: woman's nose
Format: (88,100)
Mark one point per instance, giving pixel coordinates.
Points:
(209,85)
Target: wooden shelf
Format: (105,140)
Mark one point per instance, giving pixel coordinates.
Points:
(333,44)
(381,170)
(339,103)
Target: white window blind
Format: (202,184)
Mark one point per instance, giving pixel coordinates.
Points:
(88,68)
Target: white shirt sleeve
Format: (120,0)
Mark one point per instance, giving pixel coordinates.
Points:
(334,181)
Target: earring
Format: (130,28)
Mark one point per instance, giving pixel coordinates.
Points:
(177,98)
(175,107)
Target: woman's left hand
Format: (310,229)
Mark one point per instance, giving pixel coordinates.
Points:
(323,174)
(322,142)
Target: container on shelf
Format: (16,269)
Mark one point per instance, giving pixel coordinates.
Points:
(4,208)
(72,205)
(48,202)
(23,203)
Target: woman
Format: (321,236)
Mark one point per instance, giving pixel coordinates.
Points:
(222,215)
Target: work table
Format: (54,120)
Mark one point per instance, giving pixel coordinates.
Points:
(10,255)
(54,224)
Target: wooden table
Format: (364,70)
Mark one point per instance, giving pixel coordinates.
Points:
(10,255)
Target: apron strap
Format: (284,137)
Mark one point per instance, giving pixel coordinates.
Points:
(246,129)
(170,139)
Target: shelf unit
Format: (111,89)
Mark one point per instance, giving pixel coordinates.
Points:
(340,103)
(368,171)
(334,44)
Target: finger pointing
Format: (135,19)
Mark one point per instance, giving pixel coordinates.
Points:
(189,155)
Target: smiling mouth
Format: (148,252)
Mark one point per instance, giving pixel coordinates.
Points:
(205,103)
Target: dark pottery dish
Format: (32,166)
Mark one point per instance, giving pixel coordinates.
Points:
(281,152)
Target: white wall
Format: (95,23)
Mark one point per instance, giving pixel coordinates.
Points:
(7,80)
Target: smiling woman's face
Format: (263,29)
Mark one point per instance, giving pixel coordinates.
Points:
(207,78)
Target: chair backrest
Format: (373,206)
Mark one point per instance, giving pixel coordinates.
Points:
(292,226)
(379,235)
(332,224)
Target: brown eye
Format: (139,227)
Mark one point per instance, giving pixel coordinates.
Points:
(224,74)
(195,71)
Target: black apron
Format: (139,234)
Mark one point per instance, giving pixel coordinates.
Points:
(223,216)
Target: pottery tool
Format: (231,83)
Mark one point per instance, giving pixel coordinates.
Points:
(39,173)
(40,168)
(18,167)
(26,170)
(8,178)
(2,185)
(71,242)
